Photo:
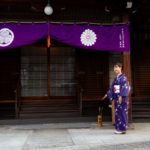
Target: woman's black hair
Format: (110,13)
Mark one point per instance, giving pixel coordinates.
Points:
(118,64)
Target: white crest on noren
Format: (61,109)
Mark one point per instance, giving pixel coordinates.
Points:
(88,37)
(6,37)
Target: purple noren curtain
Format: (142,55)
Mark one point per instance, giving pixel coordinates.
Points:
(93,37)
(17,35)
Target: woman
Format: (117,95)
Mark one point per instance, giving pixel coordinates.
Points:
(119,92)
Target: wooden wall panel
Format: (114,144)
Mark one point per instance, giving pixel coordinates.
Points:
(92,72)
(9,65)
(142,71)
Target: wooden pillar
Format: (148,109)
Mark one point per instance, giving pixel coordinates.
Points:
(127,72)
(48,62)
(113,112)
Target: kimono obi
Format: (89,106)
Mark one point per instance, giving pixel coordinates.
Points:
(116,89)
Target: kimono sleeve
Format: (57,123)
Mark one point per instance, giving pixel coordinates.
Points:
(125,88)
(110,92)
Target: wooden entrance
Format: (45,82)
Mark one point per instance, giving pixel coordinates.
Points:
(58,77)
(93,75)
(51,83)
(48,82)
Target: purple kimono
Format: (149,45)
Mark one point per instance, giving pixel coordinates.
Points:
(120,87)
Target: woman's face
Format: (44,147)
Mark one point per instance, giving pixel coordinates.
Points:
(117,70)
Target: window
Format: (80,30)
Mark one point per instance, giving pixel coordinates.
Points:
(62,72)
(34,71)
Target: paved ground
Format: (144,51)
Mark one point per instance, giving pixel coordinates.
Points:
(73,136)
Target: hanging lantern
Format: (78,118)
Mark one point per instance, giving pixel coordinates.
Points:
(48,10)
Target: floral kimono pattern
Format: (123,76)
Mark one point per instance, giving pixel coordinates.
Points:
(120,87)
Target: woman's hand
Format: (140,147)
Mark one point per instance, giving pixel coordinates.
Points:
(104,97)
(120,99)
